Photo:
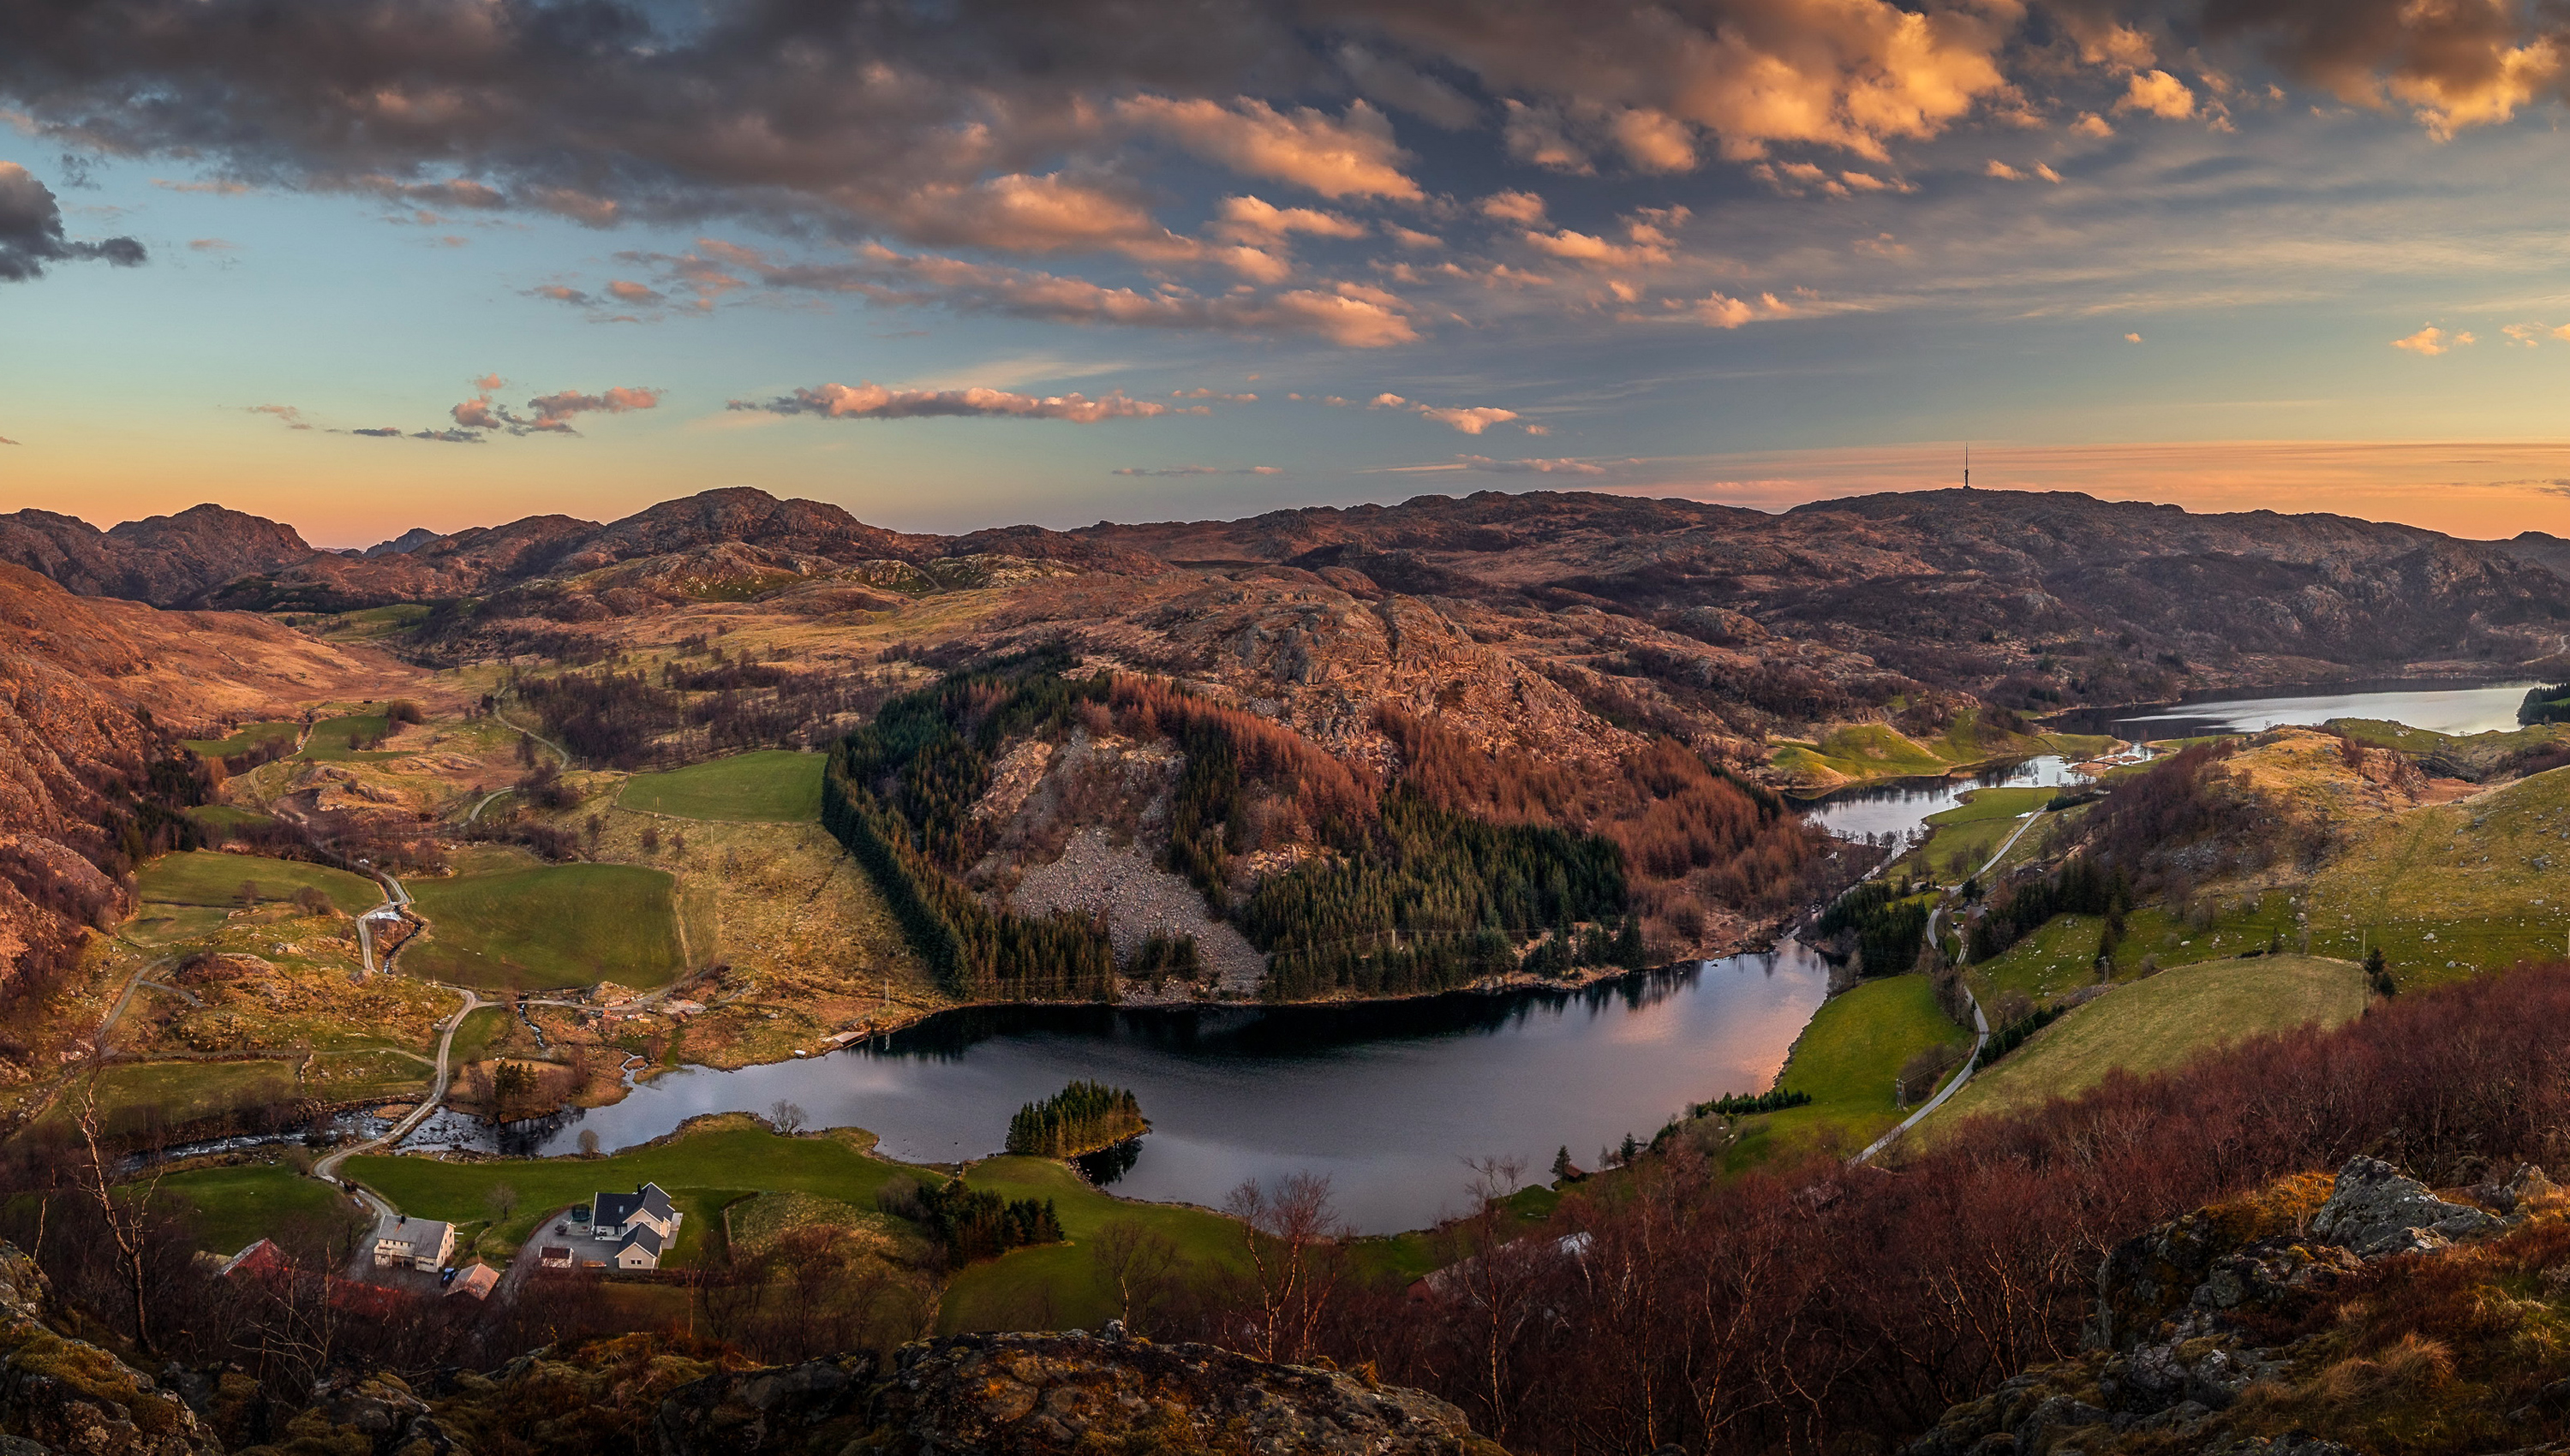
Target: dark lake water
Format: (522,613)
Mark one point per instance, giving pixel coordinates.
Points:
(1387,1100)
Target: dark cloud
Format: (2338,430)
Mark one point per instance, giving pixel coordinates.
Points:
(379,434)
(31,232)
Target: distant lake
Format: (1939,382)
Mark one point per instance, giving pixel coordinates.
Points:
(2437,707)
(1387,1099)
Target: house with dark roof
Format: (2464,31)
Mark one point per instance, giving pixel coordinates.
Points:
(641,1224)
(422,1244)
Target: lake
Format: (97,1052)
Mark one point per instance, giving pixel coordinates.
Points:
(2437,707)
(1387,1100)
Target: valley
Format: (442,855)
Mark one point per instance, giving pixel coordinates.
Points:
(784,880)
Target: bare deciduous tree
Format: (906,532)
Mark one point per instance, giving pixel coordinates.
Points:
(1290,1233)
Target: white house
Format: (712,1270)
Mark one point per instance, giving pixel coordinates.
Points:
(641,1224)
(419,1242)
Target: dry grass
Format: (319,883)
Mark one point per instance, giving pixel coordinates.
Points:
(2159,1023)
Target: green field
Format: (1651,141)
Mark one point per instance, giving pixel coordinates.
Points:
(234,1208)
(474,1037)
(2159,1022)
(2057,958)
(1862,751)
(245,738)
(1848,1060)
(1057,1286)
(206,878)
(133,1096)
(704,1170)
(332,738)
(772,786)
(1960,840)
(2453,890)
(554,926)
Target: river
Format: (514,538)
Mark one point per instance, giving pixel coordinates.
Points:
(1388,1100)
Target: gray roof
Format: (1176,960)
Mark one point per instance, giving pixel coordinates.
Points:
(645,1236)
(419,1234)
(619,1208)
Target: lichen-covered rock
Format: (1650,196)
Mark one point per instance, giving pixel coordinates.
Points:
(2519,1192)
(1040,1394)
(2376,1210)
(67,1394)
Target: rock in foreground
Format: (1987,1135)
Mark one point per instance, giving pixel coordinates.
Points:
(1041,1394)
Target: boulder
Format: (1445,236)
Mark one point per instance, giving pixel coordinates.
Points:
(1041,1394)
(2376,1210)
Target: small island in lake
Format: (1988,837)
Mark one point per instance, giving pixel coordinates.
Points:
(1083,1117)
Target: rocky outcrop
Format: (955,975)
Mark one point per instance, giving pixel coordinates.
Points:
(61,1394)
(2195,1313)
(1041,1394)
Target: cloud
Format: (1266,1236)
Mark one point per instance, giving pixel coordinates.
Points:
(1349,158)
(2433,341)
(287,415)
(870,400)
(1512,206)
(212,245)
(1720,311)
(216,187)
(1202,470)
(2003,170)
(2092,124)
(1471,420)
(2159,94)
(1352,315)
(379,434)
(31,232)
(1230,399)
(1565,467)
(549,414)
(2132,338)
(1250,219)
(2524,335)
(5,440)
(623,291)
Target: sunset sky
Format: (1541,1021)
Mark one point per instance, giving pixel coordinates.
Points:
(369,264)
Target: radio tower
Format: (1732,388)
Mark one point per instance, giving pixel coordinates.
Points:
(1968,464)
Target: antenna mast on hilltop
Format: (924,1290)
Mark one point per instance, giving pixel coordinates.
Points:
(1968,464)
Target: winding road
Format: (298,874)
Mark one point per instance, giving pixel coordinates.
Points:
(1981,1021)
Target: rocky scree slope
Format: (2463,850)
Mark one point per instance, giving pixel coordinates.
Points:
(2320,1317)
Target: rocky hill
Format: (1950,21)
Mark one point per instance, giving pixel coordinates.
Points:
(91,691)
(1557,622)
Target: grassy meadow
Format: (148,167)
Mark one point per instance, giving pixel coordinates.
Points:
(1848,1060)
(771,786)
(2158,1023)
(547,927)
(209,878)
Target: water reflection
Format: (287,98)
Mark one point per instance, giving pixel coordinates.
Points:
(2437,707)
(1899,806)
(1387,1099)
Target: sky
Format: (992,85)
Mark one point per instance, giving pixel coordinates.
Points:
(364,265)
